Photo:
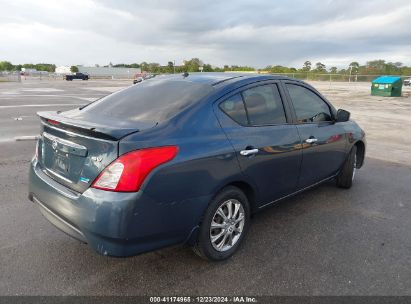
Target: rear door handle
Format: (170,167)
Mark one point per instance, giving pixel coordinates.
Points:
(311,140)
(248,152)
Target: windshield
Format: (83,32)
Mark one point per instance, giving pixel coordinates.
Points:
(149,101)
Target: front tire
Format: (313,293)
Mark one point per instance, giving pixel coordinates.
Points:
(224,225)
(346,176)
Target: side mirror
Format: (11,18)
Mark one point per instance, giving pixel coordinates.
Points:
(343,115)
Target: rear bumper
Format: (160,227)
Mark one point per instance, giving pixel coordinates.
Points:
(115,224)
(59,222)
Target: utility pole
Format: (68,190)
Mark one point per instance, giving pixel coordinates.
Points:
(349,79)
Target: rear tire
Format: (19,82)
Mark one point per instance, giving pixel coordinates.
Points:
(346,176)
(229,214)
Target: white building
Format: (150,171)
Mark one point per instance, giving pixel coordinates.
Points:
(29,71)
(63,70)
(109,72)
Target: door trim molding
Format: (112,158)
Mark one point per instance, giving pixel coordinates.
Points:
(298,191)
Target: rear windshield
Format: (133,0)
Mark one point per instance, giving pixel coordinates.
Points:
(149,101)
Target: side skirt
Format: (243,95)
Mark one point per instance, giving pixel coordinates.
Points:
(298,191)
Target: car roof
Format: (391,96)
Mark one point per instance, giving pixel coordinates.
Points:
(217,78)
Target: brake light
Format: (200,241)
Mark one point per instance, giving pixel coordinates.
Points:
(53,122)
(128,172)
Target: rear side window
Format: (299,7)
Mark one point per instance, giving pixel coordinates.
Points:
(308,106)
(234,107)
(150,101)
(264,105)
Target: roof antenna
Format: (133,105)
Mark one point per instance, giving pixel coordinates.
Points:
(185,74)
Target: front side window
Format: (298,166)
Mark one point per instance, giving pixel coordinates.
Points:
(264,105)
(308,106)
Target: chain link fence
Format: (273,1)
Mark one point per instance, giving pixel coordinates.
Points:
(17,77)
(45,76)
(10,76)
(333,77)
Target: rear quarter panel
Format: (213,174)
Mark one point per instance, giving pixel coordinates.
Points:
(180,190)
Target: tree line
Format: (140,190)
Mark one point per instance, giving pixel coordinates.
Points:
(374,67)
(192,65)
(8,66)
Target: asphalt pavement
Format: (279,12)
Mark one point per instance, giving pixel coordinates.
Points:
(327,241)
(19,102)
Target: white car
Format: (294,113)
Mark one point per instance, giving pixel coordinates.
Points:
(407,82)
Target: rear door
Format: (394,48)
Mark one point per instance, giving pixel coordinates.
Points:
(255,120)
(323,140)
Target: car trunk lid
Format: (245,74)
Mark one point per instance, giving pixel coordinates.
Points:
(74,151)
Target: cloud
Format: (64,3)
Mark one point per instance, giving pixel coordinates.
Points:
(255,33)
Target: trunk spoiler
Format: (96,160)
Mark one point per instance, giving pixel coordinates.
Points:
(98,127)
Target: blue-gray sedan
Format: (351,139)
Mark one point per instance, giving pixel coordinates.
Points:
(187,159)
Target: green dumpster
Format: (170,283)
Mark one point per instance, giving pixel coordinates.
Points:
(388,86)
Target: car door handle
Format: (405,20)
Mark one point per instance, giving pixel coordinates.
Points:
(311,140)
(248,152)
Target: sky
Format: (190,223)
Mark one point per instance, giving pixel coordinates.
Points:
(235,32)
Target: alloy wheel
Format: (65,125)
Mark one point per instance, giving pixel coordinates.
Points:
(227,225)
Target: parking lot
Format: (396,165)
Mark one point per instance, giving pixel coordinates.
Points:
(326,241)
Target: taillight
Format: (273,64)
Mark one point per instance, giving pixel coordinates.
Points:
(128,172)
(53,122)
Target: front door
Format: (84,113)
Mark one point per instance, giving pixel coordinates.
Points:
(323,140)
